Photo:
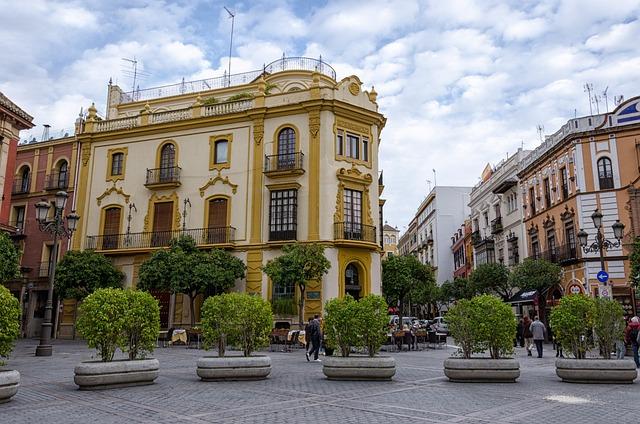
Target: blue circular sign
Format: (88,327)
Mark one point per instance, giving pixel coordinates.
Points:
(602,276)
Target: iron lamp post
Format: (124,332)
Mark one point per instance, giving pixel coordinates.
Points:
(55,226)
(601,244)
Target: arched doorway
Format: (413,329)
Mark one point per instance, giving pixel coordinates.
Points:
(352,280)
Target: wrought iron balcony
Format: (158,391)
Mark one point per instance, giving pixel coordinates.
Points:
(56,181)
(146,240)
(496,225)
(281,235)
(284,163)
(354,231)
(562,255)
(163,177)
(21,186)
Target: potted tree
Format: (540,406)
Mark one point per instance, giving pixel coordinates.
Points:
(125,319)
(582,323)
(480,325)
(361,324)
(236,319)
(9,331)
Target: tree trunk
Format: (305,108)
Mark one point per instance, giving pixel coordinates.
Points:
(192,308)
(301,307)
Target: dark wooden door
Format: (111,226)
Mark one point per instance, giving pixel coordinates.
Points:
(217,221)
(111,228)
(162,223)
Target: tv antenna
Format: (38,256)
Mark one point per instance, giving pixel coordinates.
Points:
(540,129)
(232,15)
(618,99)
(134,73)
(588,88)
(606,100)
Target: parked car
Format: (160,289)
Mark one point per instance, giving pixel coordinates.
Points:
(393,319)
(440,325)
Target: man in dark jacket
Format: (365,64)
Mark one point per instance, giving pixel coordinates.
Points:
(631,336)
(528,335)
(307,338)
(315,336)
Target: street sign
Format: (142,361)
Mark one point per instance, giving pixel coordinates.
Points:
(575,288)
(604,291)
(602,276)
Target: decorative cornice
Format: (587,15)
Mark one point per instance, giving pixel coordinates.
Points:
(113,189)
(214,180)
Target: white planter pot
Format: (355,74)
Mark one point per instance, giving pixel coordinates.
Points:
(9,383)
(229,368)
(359,367)
(609,371)
(96,375)
(482,370)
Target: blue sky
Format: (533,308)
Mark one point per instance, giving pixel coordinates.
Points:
(461,82)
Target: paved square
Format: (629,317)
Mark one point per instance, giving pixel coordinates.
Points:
(296,392)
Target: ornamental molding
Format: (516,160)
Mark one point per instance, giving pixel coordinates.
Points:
(113,189)
(218,178)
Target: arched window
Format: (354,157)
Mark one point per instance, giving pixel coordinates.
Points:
(22,185)
(605,173)
(167,162)
(286,148)
(352,281)
(218,231)
(111,227)
(117,162)
(63,173)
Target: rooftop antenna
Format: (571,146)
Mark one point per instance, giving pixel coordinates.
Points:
(597,99)
(434,177)
(618,99)
(135,71)
(588,88)
(606,100)
(45,132)
(540,129)
(429,185)
(233,18)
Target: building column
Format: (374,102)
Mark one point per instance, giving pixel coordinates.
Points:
(314,174)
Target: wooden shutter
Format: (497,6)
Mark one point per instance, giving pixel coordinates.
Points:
(162,223)
(217,222)
(111,228)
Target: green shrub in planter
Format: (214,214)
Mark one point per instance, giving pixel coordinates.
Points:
(238,319)
(483,323)
(572,323)
(341,324)
(102,321)
(9,322)
(608,324)
(372,321)
(141,324)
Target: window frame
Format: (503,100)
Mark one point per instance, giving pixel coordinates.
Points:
(353,142)
(110,155)
(283,214)
(605,180)
(213,143)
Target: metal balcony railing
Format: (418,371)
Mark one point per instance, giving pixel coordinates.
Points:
(562,255)
(21,186)
(168,175)
(496,225)
(202,237)
(283,162)
(354,231)
(280,235)
(56,181)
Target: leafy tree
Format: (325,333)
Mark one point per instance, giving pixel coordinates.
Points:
(425,292)
(403,276)
(496,326)
(298,264)
(80,273)
(462,319)
(9,322)
(341,324)
(372,322)
(459,288)
(634,260)
(536,274)
(185,269)
(9,259)
(236,318)
(141,324)
(492,278)
(572,323)
(608,324)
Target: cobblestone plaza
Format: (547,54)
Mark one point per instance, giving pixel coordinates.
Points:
(297,392)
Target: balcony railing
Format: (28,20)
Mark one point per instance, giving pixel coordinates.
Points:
(56,181)
(163,176)
(475,237)
(496,225)
(562,255)
(354,231)
(21,186)
(202,237)
(283,162)
(280,235)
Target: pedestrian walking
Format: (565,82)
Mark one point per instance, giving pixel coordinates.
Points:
(631,334)
(520,333)
(528,336)
(537,330)
(307,338)
(315,337)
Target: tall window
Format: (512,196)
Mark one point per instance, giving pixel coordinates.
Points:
(535,247)
(352,281)
(570,238)
(532,200)
(365,149)
(551,244)
(340,143)
(63,174)
(353,210)
(18,213)
(286,148)
(221,151)
(353,146)
(111,228)
(605,173)
(117,161)
(25,179)
(283,211)
(564,183)
(167,162)
(547,193)
(217,221)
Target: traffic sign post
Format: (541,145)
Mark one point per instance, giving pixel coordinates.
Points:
(602,276)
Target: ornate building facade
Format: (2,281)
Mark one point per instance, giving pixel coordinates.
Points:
(590,163)
(246,163)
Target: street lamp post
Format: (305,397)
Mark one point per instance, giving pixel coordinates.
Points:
(56,227)
(601,244)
